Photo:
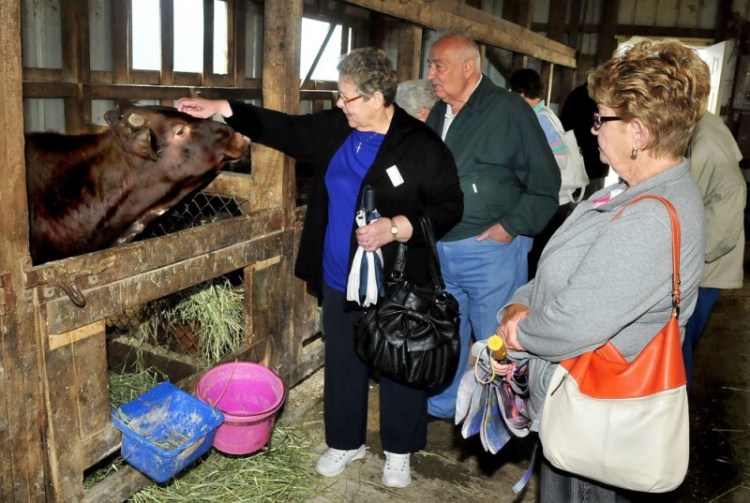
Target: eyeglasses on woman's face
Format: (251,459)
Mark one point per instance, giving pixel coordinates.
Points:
(598,120)
(344,100)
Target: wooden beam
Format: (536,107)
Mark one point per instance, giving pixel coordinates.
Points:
(642,30)
(167,42)
(281,62)
(483,27)
(236,42)
(114,264)
(520,13)
(409,61)
(74,25)
(59,340)
(575,24)
(208,42)
(24,471)
(121,41)
(231,49)
(606,42)
(63,316)
(558,20)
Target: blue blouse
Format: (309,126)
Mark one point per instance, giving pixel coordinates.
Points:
(343,179)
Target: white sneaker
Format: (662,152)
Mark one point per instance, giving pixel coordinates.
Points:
(396,471)
(333,461)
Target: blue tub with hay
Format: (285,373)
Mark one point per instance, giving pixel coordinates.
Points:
(164,430)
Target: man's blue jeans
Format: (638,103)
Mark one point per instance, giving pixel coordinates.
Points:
(482,276)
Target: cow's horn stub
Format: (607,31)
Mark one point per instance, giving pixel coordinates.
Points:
(136,120)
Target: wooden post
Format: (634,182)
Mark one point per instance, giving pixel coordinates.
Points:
(606,43)
(409,52)
(273,172)
(23,470)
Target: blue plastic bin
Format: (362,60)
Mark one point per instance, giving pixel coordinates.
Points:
(164,430)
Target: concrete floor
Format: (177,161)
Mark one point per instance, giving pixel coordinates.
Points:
(452,469)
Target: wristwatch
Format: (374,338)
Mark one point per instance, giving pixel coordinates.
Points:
(394,230)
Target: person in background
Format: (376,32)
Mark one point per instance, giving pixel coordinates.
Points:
(576,114)
(714,163)
(416,98)
(366,141)
(510,182)
(528,84)
(604,280)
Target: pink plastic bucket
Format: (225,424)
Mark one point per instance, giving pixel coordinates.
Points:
(249,395)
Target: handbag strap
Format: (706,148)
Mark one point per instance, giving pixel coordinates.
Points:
(676,236)
(432,255)
(659,366)
(400,266)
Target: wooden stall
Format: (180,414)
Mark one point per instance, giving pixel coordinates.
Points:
(55,409)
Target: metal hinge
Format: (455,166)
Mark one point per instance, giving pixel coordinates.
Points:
(7,300)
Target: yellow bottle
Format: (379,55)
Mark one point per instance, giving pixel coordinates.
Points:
(496,346)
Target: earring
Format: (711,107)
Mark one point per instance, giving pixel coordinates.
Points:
(634,154)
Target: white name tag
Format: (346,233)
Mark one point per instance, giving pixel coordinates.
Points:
(394,175)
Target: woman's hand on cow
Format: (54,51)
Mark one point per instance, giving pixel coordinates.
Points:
(508,328)
(204,108)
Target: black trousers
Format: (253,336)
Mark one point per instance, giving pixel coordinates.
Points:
(403,410)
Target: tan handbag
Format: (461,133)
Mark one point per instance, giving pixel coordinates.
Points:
(624,424)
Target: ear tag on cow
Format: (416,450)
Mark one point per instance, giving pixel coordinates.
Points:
(395,175)
(136,120)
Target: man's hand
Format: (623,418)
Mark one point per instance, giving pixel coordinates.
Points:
(496,233)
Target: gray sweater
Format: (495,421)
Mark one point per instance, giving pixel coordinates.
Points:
(600,280)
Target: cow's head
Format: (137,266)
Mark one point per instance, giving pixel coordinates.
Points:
(171,154)
(165,135)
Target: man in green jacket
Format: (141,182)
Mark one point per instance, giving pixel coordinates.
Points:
(510,182)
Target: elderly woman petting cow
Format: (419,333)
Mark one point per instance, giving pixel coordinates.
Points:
(368,141)
(605,276)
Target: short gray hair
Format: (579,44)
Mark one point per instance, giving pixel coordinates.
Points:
(412,95)
(370,70)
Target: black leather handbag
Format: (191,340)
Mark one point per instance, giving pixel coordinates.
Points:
(411,334)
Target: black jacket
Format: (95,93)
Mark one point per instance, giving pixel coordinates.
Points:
(426,165)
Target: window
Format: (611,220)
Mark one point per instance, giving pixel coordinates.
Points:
(188,36)
(314,34)
(221,42)
(146,38)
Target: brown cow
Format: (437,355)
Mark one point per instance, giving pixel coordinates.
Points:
(93,191)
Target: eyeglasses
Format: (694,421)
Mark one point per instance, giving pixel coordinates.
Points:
(598,120)
(344,99)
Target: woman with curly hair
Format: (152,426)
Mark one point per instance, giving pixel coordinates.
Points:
(602,280)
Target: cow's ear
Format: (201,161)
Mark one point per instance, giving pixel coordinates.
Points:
(142,145)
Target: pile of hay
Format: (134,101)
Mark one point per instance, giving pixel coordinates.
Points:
(283,473)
